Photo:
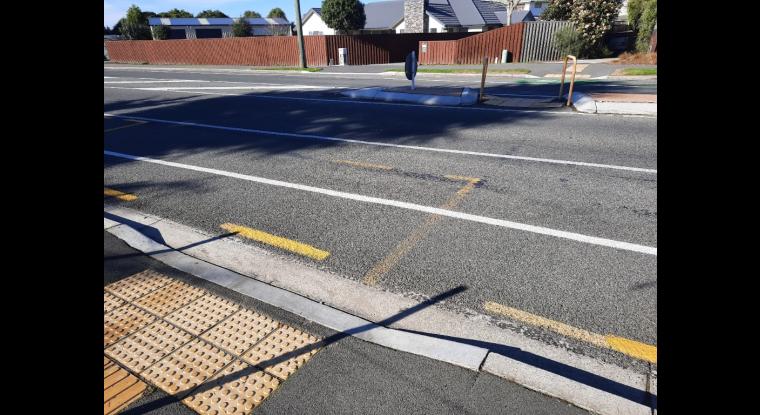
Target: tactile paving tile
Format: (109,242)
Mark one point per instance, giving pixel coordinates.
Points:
(169,298)
(284,341)
(120,388)
(241,331)
(188,367)
(202,313)
(139,351)
(238,389)
(111,302)
(137,285)
(122,322)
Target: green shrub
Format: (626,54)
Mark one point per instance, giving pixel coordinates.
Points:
(160,32)
(241,28)
(570,42)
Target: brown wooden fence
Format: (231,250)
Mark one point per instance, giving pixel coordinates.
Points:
(273,50)
(253,51)
(472,49)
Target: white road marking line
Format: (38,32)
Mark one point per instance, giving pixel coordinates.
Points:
(404,205)
(154,81)
(397,104)
(377,143)
(278,87)
(523,95)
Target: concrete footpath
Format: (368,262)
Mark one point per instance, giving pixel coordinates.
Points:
(177,344)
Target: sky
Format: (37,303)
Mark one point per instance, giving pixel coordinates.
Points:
(113,10)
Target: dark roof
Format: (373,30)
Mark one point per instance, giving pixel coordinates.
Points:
(517,16)
(213,21)
(442,11)
(466,13)
(451,13)
(383,14)
(488,11)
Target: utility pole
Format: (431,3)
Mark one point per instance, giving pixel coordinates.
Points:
(299,32)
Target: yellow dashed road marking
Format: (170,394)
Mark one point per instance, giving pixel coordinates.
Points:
(119,195)
(628,347)
(364,165)
(633,348)
(390,260)
(136,123)
(277,241)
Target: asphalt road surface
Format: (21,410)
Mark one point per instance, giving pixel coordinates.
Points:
(559,208)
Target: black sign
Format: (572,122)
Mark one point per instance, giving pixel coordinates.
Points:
(411,66)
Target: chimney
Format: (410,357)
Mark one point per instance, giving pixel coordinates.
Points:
(415,19)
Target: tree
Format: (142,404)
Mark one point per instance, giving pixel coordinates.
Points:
(277,12)
(211,13)
(160,32)
(106,30)
(642,16)
(176,13)
(116,30)
(135,25)
(250,14)
(558,10)
(241,27)
(343,15)
(592,19)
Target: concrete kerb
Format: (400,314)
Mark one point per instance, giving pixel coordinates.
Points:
(341,304)
(467,97)
(584,103)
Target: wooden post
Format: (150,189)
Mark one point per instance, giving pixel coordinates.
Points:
(483,78)
(572,81)
(562,82)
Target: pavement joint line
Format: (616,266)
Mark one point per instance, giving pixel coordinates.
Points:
(628,347)
(398,253)
(573,236)
(135,124)
(381,144)
(286,244)
(398,104)
(128,197)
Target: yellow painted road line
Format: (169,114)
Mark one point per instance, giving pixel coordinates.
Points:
(136,123)
(277,241)
(364,165)
(119,195)
(393,258)
(628,347)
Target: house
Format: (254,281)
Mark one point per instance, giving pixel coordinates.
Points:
(424,16)
(200,28)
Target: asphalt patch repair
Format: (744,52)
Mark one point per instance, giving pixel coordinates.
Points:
(210,353)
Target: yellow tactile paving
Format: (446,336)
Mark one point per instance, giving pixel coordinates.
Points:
(141,350)
(136,286)
(202,314)
(111,302)
(241,331)
(188,367)
(170,297)
(286,341)
(122,322)
(238,389)
(120,388)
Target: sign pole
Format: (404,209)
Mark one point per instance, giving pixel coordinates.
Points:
(414,68)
